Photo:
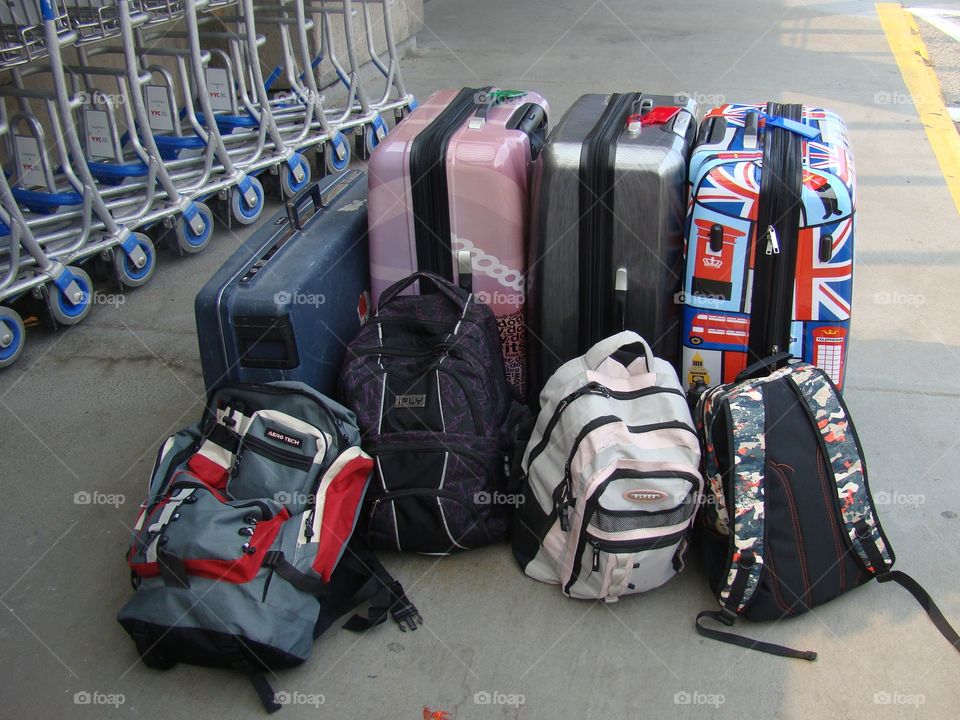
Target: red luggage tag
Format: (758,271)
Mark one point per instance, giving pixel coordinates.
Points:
(660,115)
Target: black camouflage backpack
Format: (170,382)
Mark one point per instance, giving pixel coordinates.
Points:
(243,551)
(789,522)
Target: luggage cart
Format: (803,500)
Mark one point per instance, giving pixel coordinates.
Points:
(395,96)
(299,110)
(247,118)
(95,230)
(197,133)
(25,267)
(357,113)
(130,162)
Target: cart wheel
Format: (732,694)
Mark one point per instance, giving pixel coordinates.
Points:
(70,311)
(11,336)
(127,271)
(336,155)
(244,213)
(189,240)
(289,184)
(373,134)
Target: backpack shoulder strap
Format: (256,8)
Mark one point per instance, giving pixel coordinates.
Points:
(856,505)
(845,456)
(747,524)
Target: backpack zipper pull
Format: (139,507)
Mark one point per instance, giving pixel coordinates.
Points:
(773,244)
(596,555)
(373,508)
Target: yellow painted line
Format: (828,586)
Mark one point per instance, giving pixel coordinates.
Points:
(911,55)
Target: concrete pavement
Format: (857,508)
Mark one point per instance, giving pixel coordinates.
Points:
(86,408)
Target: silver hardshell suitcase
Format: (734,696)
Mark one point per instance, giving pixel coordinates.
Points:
(607,227)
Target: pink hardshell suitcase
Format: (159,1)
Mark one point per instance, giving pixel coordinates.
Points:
(452,177)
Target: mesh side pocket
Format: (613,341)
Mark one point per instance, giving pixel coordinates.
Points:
(613,521)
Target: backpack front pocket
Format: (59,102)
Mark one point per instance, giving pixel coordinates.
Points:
(279,457)
(633,535)
(194,531)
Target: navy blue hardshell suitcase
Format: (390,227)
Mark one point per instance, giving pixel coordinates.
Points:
(285,305)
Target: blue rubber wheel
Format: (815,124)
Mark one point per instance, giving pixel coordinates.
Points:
(336,155)
(129,274)
(374,133)
(190,241)
(70,311)
(12,336)
(242,213)
(288,183)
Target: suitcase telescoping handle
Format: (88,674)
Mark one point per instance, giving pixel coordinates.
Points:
(446,288)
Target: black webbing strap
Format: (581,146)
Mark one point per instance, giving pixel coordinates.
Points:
(306,583)
(926,602)
(173,571)
(232,648)
(268,698)
(386,595)
(726,617)
(904,580)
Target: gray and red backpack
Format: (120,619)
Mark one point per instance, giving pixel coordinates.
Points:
(426,380)
(788,521)
(243,551)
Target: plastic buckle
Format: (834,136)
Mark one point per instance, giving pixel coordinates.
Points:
(402,610)
(273,558)
(727,616)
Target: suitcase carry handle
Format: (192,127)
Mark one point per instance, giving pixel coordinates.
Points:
(321,198)
(447,289)
(756,369)
(296,203)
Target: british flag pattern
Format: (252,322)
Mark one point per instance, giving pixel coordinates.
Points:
(726,168)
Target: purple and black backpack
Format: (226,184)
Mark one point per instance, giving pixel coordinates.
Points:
(425,377)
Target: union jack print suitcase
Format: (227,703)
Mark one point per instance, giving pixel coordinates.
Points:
(769,241)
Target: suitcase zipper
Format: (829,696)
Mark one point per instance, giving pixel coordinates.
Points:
(598,156)
(428,183)
(778,217)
